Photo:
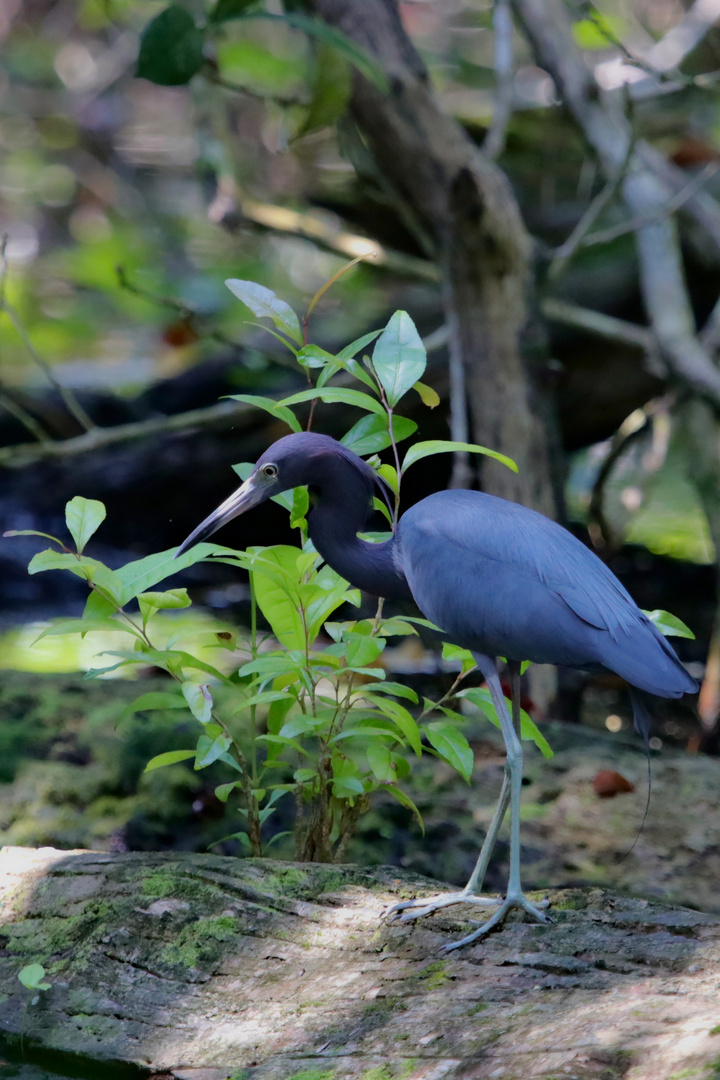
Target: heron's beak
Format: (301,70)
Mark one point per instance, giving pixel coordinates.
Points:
(248,495)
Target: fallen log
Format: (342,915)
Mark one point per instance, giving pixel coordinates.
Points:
(203,968)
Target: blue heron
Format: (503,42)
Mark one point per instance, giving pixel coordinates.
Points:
(498,579)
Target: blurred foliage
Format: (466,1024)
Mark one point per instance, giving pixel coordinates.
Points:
(100,169)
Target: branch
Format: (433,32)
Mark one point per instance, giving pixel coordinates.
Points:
(608,132)
(223,415)
(596,322)
(494,143)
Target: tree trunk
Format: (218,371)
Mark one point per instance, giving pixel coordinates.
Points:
(465,214)
(207,967)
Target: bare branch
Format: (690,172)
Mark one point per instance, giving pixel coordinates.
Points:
(608,131)
(220,416)
(596,322)
(494,143)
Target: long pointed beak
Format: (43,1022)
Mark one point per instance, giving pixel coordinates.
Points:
(246,496)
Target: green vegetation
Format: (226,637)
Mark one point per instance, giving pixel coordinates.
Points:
(317,721)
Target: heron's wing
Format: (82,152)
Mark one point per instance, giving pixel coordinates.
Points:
(481,530)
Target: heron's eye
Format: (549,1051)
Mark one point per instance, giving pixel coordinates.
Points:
(270,471)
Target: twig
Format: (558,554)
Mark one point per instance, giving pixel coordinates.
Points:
(494,143)
(185,312)
(71,402)
(631,428)
(23,416)
(223,415)
(567,250)
(605,236)
(596,322)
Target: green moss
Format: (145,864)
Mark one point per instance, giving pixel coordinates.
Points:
(434,975)
(380,1072)
(201,943)
(479,1007)
(159,885)
(313,1074)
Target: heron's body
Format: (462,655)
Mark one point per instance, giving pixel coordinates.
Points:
(528,590)
(497,578)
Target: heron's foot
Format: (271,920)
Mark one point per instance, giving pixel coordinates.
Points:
(535,911)
(408,910)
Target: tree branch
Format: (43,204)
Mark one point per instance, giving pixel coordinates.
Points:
(608,132)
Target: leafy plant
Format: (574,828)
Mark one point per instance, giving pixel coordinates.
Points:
(316,718)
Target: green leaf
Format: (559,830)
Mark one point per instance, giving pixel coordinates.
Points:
(171,48)
(404,720)
(346,782)
(312,356)
(31,976)
(83,517)
(332,592)
(407,802)
(668,624)
(452,746)
(358,345)
(300,507)
(85,626)
(223,791)
(441,446)
(274,578)
(156,699)
(266,305)
(396,628)
(390,476)
(394,688)
(34,532)
(338,393)
(209,749)
(371,434)
(271,406)
(89,569)
(171,757)
(139,576)
(170,600)
(428,396)
(199,700)
(271,665)
(399,356)
(362,650)
(456,652)
(381,763)
(481,697)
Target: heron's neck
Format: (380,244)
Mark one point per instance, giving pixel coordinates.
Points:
(333,525)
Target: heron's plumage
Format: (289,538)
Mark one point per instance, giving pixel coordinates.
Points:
(507,581)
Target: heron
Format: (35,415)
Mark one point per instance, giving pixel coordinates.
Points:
(498,579)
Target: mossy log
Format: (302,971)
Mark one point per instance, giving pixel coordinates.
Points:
(203,967)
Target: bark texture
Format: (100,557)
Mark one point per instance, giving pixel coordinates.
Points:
(204,967)
(465,214)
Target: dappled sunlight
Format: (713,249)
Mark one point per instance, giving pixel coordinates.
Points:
(20,649)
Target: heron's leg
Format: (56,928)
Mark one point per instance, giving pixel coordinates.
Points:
(407,910)
(514,898)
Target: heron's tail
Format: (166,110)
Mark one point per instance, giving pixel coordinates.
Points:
(641,714)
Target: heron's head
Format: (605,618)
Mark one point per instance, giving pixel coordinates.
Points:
(302,458)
